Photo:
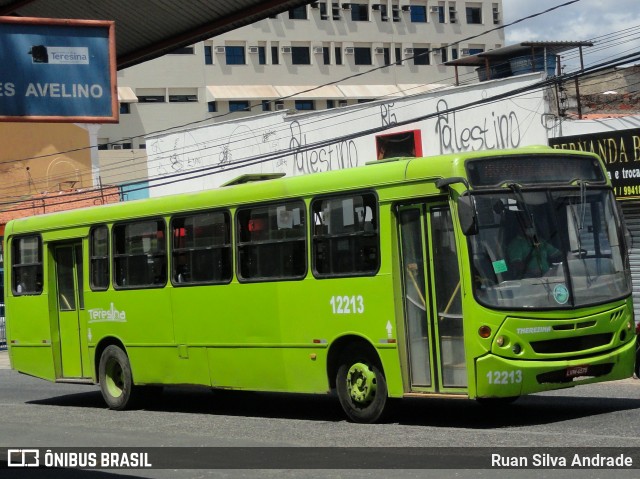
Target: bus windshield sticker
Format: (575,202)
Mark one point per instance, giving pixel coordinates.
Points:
(499,266)
(561,294)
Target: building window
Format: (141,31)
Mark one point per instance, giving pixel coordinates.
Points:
(419,13)
(421,56)
(212,107)
(338,53)
(335,11)
(208,55)
(238,105)
(271,242)
(234,55)
(300,56)
(359,12)
(125,108)
(201,249)
(139,254)
(99,258)
(266,105)
(443,55)
(398,54)
(323,11)
(345,236)
(475,51)
(454,53)
(441,18)
(305,105)
(386,55)
(298,13)
(326,56)
(474,15)
(362,56)
(183,98)
(275,58)
(384,14)
(331,104)
(151,98)
(262,56)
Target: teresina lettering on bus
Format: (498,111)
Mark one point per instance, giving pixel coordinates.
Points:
(98,315)
(539,329)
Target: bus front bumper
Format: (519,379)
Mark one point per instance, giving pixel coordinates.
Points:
(502,377)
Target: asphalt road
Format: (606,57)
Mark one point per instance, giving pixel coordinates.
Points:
(36,413)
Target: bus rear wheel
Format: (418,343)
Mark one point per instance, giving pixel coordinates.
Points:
(116,380)
(361,386)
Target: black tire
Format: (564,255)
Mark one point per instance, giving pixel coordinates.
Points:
(361,386)
(116,380)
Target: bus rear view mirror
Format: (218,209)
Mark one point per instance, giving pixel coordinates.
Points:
(468,215)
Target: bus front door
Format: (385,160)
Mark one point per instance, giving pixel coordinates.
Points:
(432,300)
(69,274)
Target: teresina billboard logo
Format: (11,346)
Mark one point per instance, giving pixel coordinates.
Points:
(59,55)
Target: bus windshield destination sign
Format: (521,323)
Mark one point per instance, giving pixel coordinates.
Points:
(57,70)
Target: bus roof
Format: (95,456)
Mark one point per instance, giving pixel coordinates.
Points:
(373,175)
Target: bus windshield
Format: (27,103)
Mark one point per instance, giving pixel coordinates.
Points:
(548,248)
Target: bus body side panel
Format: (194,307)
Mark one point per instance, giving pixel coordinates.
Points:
(141,320)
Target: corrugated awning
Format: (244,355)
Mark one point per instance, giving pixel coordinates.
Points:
(370,91)
(126,95)
(327,91)
(409,89)
(241,92)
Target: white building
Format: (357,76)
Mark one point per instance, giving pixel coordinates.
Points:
(358,51)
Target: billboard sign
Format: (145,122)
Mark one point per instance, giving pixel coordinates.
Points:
(620,151)
(57,70)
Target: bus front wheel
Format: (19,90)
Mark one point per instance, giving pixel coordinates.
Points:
(361,386)
(116,380)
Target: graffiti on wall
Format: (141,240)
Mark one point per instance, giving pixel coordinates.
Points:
(336,156)
(498,131)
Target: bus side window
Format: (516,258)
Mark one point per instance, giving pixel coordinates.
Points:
(272,242)
(139,254)
(27,265)
(201,248)
(345,239)
(99,258)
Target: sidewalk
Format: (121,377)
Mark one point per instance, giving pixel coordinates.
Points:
(4,359)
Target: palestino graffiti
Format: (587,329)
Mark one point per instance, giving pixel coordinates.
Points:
(343,154)
(501,130)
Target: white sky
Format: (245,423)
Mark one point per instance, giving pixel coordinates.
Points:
(584,20)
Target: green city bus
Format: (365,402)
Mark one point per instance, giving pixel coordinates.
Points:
(394,279)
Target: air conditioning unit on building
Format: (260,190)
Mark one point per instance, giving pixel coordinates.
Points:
(318,50)
(376,6)
(116,147)
(279,106)
(346,6)
(408,51)
(315,5)
(349,50)
(434,9)
(285,50)
(406,8)
(379,51)
(253,49)
(464,52)
(219,49)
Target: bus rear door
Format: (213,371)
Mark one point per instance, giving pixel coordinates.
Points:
(69,276)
